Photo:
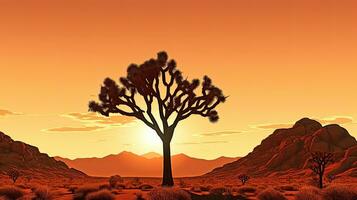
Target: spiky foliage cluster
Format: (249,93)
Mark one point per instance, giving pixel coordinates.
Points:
(159,81)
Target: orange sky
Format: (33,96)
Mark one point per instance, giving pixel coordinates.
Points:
(277,60)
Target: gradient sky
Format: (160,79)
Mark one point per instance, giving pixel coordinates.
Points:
(277,60)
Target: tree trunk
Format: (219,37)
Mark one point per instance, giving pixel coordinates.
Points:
(320,181)
(167,179)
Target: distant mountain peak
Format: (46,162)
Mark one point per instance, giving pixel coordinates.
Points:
(151,155)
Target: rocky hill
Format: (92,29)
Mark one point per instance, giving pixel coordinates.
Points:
(28,160)
(288,150)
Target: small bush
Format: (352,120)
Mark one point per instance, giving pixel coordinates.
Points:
(339,192)
(168,194)
(271,194)
(100,195)
(43,193)
(309,193)
(11,192)
(114,180)
(81,192)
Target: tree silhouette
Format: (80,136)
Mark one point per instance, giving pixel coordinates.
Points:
(319,161)
(243,178)
(162,87)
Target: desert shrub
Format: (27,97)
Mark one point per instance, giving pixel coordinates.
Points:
(309,193)
(114,180)
(271,194)
(245,189)
(168,194)
(11,192)
(146,187)
(243,178)
(43,193)
(100,195)
(339,192)
(81,192)
(288,188)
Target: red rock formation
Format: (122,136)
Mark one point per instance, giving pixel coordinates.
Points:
(288,150)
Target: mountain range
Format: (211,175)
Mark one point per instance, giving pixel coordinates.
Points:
(146,165)
(29,161)
(287,152)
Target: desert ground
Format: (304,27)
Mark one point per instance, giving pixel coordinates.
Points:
(132,188)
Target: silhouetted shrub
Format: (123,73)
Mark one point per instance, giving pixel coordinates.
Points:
(81,192)
(11,192)
(168,194)
(243,178)
(182,183)
(43,193)
(114,180)
(100,195)
(309,193)
(271,194)
(338,192)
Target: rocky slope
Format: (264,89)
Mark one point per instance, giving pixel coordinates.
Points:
(28,160)
(287,151)
(147,165)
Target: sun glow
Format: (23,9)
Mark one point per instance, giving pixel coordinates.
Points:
(150,140)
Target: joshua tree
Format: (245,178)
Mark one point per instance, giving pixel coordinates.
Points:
(13,174)
(243,178)
(319,161)
(162,89)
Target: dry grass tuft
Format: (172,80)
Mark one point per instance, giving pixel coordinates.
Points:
(271,194)
(309,193)
(100,195)
(43,193)
(81,192)
(338,192)
(168,194)
(11,192)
